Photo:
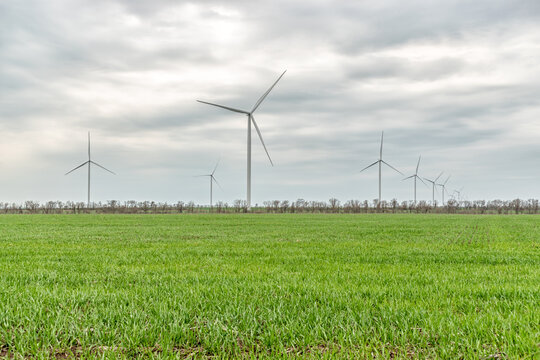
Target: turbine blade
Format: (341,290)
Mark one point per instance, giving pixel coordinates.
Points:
(448,178)
(431,181)
(261,99)
(367,167)
(382,138)
(260,137)
(417,165)
(225,107)
(387,164)
(215,180)
(103,167)
(89,146)
(200,175)
(421,179)
(437,178)
(215,168)
(80,166)
(408,177)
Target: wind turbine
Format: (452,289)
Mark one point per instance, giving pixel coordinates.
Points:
(250,119)
(380,162)
(443,186)
(433,182)
(458,192)
(89,162)
(415,176)
(212,180)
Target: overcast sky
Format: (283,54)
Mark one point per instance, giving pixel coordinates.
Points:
(457,82)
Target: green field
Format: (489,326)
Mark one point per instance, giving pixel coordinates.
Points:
(267,286)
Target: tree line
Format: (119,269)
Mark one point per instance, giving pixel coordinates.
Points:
(333,206)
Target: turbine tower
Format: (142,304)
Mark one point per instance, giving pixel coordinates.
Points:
(250,119)
(212,180)
(415,176)
(89,162)
(443,186)
(380,162)
(433,183)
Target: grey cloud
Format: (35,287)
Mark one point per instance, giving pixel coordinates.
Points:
(60,60)
(380,67)
(356,27)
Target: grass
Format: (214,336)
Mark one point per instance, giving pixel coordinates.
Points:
(270,286)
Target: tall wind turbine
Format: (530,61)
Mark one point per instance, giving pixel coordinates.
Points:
(380,162)
(250,119)
(212,180)
(433,182)
(89,162)
(443,186)
(415,176)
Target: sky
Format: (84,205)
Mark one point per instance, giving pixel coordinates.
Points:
(456,82)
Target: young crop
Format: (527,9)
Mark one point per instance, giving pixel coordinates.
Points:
(266,286)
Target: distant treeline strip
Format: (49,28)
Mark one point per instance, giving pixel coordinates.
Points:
(333,206)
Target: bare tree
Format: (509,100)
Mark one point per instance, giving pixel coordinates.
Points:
(284,206)
(334,204)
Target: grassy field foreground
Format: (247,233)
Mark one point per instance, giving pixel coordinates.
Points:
(389,286)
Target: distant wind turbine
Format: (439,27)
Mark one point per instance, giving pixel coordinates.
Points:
(458,192)
(415,176)
(250,119)
(89,162)
(380,162)
(433,182)
(443,187)
(212,180)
